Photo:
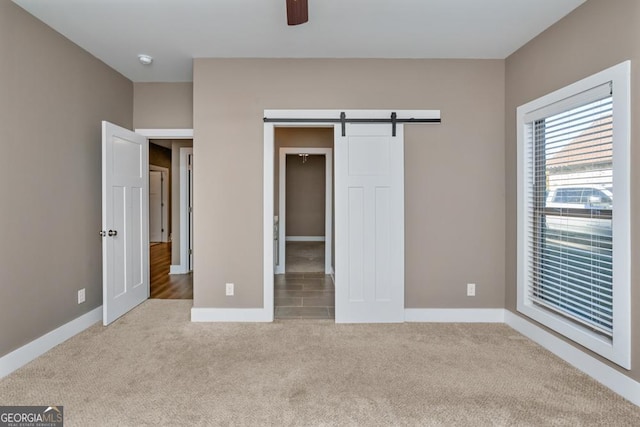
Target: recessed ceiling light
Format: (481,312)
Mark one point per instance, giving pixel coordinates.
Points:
(145,59)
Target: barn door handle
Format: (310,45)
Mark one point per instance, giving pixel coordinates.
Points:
(112,233)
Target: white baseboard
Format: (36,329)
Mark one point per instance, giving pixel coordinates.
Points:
(304,239)
(178,269)
(231,315)
(601,372)
(454,315)
(28,352)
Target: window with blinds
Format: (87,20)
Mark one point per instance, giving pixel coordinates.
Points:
(570,219)
(573,212)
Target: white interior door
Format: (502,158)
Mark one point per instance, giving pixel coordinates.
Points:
(125,221)
(369,217)
(155,206)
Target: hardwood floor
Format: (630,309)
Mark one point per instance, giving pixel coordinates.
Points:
(164,285)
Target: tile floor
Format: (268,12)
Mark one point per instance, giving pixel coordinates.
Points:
(304,257)
(304,296)
(304,292)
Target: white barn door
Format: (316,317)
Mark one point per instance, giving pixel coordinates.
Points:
(125,221)
(369,217)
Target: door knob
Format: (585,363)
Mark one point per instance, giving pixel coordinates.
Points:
(102,233)
(112,233)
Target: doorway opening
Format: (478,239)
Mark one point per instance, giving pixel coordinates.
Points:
(304,201)
(126,260)
(303,222)
(170,254)
(305,213)
(159,201)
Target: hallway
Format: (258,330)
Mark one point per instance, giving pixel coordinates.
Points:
(164,285)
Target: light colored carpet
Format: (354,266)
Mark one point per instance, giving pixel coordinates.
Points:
(304,257)
(155,367)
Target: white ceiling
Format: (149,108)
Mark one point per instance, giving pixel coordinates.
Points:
(176,31)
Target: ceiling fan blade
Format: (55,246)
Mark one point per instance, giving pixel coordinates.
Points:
(297,12)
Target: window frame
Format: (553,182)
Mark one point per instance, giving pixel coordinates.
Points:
(618,347)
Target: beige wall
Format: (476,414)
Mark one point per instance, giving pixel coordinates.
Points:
(305,201)
(597,35)
(52,100)
(163,105)
(454,171)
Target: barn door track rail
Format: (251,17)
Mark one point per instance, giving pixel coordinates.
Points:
(343,120)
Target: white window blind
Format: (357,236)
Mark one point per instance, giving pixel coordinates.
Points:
(570,219)
(574,212)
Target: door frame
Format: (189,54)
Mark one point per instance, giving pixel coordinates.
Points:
(186,198)
(171,134)
(165,206)
(282,208)
(266,314)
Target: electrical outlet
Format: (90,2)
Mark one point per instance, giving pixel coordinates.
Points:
(471,289)
(229,289)
(81,297)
